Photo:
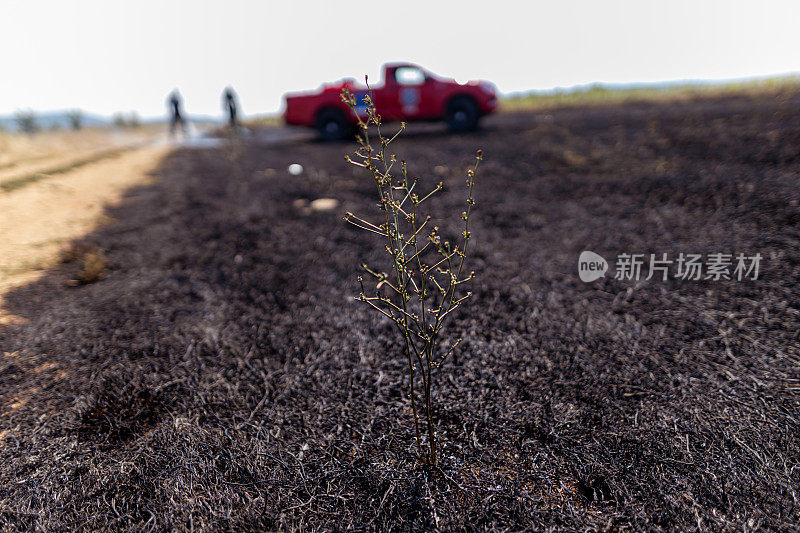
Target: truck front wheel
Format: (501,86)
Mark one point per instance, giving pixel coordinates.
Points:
(461,114)
(332,125)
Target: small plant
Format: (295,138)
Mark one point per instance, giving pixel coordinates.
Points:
(91,261)
(93,268)
(425,284)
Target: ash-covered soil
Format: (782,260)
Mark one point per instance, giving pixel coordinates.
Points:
(221,377)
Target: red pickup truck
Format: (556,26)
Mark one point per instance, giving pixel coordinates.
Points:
(409,93)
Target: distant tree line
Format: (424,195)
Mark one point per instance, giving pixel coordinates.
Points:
(27,121)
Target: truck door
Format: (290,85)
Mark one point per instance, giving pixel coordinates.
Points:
(401,95)
(410,83)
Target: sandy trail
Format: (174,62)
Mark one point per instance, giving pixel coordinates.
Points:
(22,156)
(38,220)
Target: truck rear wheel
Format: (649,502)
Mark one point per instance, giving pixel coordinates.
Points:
(332,125)
(461,114)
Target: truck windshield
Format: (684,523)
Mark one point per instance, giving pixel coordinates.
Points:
(409,76)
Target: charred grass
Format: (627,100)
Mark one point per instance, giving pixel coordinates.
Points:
(221,376)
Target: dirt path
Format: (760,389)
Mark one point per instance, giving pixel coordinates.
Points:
(23,156)
(39,219)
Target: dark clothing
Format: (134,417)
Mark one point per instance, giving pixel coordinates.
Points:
(230,104)
(176,107)
(176,116)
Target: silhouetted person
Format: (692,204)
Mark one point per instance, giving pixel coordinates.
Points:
(175,104)
(230,104)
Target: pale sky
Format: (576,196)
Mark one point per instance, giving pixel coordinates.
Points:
(106,56)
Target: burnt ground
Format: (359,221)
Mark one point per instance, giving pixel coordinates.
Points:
(221,377)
